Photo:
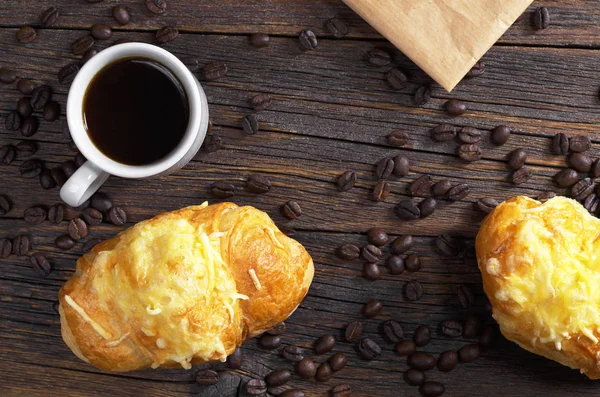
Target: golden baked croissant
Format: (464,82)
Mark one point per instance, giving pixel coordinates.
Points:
(182,288)
(540,265)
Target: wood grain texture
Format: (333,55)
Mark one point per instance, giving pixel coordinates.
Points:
(331,112)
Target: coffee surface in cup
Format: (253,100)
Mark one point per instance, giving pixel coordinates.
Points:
(135,111)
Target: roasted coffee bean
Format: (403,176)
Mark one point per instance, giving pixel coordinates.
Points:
(397,138)
(82,44)
(448,245)
(51,111)
(414,377)
(30,168)
(595,169)
(5,247)
(348,251)
(469,353)
(46,180)
(413,290)
(101,31)
(354,331)
(101,202)
(472,326)
(250,124)
(451,328)
(372,308)
(56,214)
(469,152)
(7,76)
(443,133)
(30,126)
(427,207)
(421,186)
(432,389)
(402,244)
(338,361)
(292,353)
(308,40)
(25,149)
(59,176)
(279,329)
(517,159)
(486,205)
(260,40)
(336,27)
(395,264)
(520,176)
(371,271)
(207,377)
(235,359)
(371,253)
(20,245)
(121,14)
(541,18)
(384,168)
(26,35)
(592,203)
(223,189)
(13,121)
(156,6)
(89,55)
(422,361)
(35,215)
(40,96)
(40,265)
(582,189)
(477,70)
(405,347)
(291,210)
(392,331)
(306,369)
(48,17)
(459,192)
(24,107)
(342,390)
(500,135)
(324,344)
(270,342)
(487,337)
(560,144)
(117,216)
(260,101)
(258,184)
(447,361)
(381,191)
(580,162)
(324,373)
(566,178)
(7,154)
(377,236)
(422,335)
(278,377)
(580,144)
(466,297)
(77,229)
(412,263)
(368,349)
(422,95)
(69,168)
(166,34)
(396,78)
(378,57)
(256,387)
(5,205)
(346,181)
(407,210)
(455,107)
(401,166)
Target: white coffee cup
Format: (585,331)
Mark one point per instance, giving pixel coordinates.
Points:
(98,167)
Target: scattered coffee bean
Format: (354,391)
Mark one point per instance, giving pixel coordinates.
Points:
(447,361)
(407,210)
(422,95)
(5,205)
(51,111)
(89,54)
(207,377)
(443,133)
(414,377)
(166,34)
(101,202)
(59,176)
(79,159)
(371,271)
(292,353)
(354,331)
(35,215)
(256,387)
(250,124)
(368,349)
(235,359)
(448,245)
(469,135)
(101,31)
(455,107)
(40,265)
(223,189)
(7,154)
(5,247)
(336,27)
(395,264)
(517,159)
(64,242)
(40,96)
(346,181)
(592,203)
(291,210)
(372,308)
(26,35)
(258,184)
(566,178)
(432,389)
(77,229)
(580,144)
(582,189)
(396,78)
(270,342)
(469,152)
(477,70)
(422,361)
(371,253)
(469,353)
(25,149)
(377,236)
(338,361)
(30,126)
(324,372)
(405,347)
(580,162)
(397,138)
(20,245)
(595,169)
(156,6)
(459,192)
(278,377)
(306,369)
(48,17)
(412,263)
(392,331)
(401,165)
(422,335)
(117,216)
(413,290)
(348,251)
(520,176)
(451,328)
(308,40)
(30,168)
(421,186)
(121,14)
(46,180)
(466,297)
(381,191)
(56,214)
(378,57)
(260,102)
(427,207)
(7,76)
(541,18)
(500,135)
(24,107)
(25,86)
(487,337)
(560,144)
(82,44)
(384,168)
(342,390)
(324,344)
(260,40)
(13,121)
(486,205)
(402,244)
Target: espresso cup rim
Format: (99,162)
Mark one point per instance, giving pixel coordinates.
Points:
(79,88)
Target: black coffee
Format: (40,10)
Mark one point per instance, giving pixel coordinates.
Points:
(135,111)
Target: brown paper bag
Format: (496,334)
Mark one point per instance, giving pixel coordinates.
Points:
(445,38)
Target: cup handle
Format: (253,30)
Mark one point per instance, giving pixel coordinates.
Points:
(82,184)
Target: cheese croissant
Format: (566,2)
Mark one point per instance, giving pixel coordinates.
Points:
(183,288)
(540,265)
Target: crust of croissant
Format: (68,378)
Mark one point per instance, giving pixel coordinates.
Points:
(250,241)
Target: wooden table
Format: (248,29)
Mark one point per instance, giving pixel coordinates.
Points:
(331,113)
